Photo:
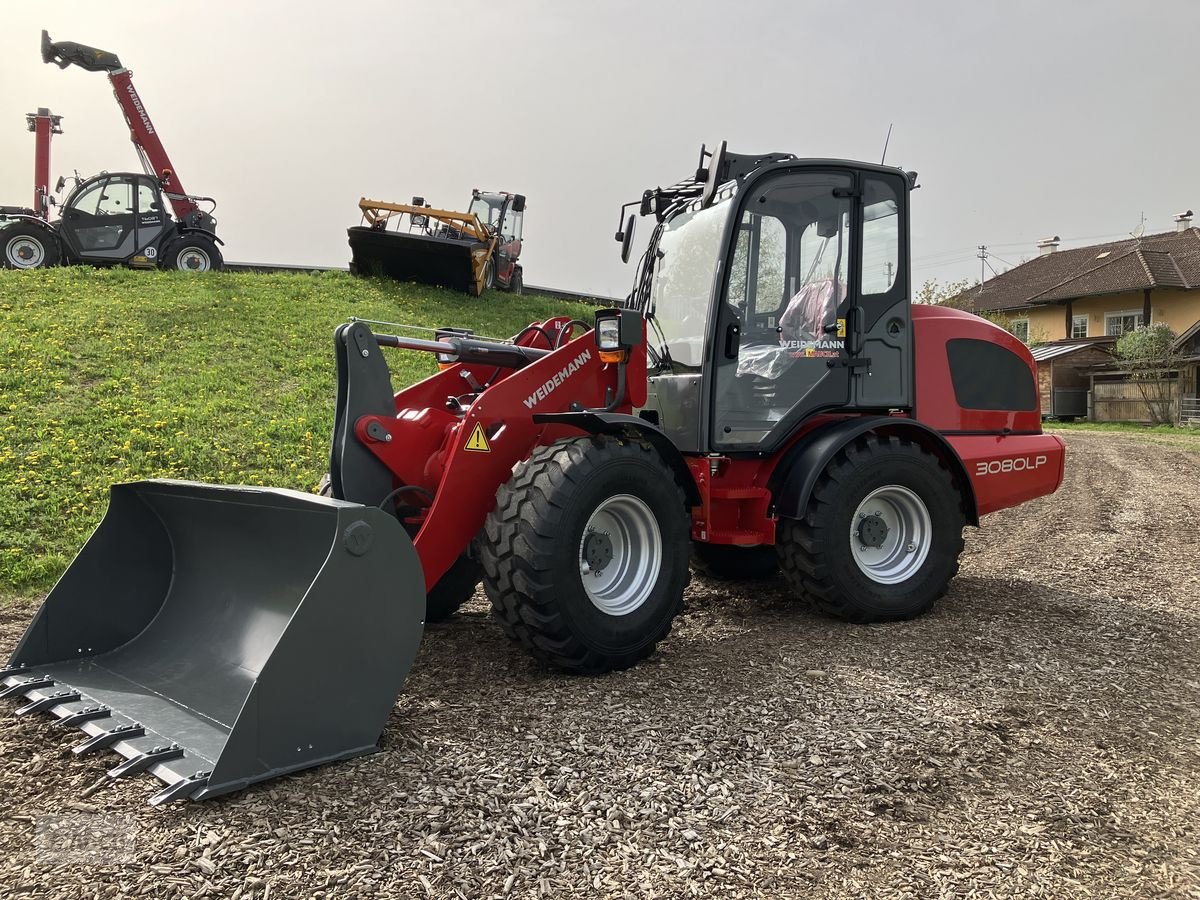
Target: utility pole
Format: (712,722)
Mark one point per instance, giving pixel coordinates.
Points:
(982,254)
(890,268)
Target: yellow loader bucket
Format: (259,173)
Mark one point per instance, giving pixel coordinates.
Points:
(218,636)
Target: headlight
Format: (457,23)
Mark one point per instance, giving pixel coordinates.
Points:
(608,333)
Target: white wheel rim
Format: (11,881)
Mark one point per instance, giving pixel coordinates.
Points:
(620,555)
(891,534)
(24,253)
(194,259)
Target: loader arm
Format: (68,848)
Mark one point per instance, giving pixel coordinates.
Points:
(142,132)
(459,445)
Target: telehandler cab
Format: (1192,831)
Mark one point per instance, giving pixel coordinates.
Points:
(766,393)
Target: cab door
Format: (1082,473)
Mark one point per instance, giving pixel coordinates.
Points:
(812,315)
(151,218)
(99,223)
(508,247)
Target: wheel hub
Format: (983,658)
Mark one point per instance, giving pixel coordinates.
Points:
(620,554)
(872,531)
(597,551)
(891,533)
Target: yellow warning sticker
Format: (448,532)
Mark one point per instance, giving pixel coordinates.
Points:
(478,440)
(841,328)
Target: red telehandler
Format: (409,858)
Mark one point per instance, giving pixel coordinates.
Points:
(114,217)
(766,393)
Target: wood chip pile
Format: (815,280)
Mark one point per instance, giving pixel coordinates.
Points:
(1038,734)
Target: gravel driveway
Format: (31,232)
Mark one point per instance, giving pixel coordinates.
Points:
(1037,734)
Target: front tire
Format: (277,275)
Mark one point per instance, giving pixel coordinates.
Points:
(585,555)
(28,247)
(193,253)
(517,285)
(881,536)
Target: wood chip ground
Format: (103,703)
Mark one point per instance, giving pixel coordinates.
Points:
(1037,735)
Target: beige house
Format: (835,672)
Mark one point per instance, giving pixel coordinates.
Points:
(1072,305)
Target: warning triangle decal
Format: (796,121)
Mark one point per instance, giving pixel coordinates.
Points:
(478,440)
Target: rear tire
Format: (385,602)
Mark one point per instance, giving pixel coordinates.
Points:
(193,253)
(727,562)
(454,589)
(881,536)
(585,555)
(28,247)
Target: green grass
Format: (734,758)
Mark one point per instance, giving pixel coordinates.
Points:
(1126,427)
(113,375)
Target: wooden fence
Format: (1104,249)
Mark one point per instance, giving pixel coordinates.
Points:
(1122,401)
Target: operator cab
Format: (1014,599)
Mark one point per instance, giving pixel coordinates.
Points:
(114,216)
(776,288)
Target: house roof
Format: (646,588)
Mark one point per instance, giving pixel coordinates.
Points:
(1043,352)
(1170,259)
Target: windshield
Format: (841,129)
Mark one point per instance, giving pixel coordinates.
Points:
(488,208)
(681,292)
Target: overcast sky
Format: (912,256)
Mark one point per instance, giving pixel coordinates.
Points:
(1025,119)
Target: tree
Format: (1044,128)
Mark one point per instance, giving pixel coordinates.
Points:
(954,294)
(1149,353)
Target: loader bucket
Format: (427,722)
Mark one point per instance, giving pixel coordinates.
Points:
(415,257)
(218,636)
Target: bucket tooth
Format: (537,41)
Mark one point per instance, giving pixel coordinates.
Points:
(30,684)
(184,789)
(87,714)
(12,670)
(142,762)
(106,739)
(58,698)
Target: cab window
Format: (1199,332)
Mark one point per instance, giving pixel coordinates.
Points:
(116,199)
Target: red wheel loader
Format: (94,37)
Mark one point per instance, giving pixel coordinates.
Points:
(767,397)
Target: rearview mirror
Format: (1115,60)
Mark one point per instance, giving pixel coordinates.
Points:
(62,183)
(625,236)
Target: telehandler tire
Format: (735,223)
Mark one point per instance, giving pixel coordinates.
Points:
(881,536)
(28,247)
(193,253)
(585,556)
(726,562)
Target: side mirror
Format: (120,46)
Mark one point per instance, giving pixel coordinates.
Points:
(716,164)
(518,203)
(62,183)
(626,237)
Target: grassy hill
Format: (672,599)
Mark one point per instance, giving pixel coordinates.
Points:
(114,375)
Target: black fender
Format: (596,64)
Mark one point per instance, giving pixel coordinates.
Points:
(211,235)
(599,422)
(23,219)
(792,481)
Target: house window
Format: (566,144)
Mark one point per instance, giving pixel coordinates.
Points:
(1020,329)
(1117,323)
(1079,326)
